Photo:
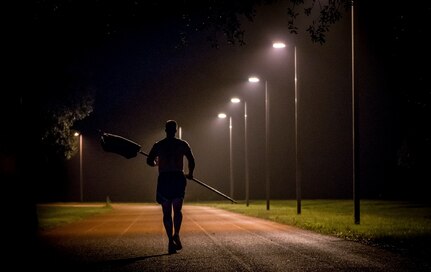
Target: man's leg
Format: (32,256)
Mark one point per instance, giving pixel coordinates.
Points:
(167,222)
(177,205)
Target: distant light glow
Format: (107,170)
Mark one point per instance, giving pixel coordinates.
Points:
(279,45)
(235,100)
(76,134)
(222,115)
(253,79)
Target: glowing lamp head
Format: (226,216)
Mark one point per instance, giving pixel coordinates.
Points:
(253,79)
(278,45)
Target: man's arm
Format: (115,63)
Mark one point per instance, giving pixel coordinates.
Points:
(191,163)
(151,159)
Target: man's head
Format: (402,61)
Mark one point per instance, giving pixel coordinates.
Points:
(171,127)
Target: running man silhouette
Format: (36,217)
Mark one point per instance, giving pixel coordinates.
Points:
(168,155)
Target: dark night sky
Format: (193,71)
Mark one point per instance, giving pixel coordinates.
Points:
(142,81)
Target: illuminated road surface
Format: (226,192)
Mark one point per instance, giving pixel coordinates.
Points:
(132,238)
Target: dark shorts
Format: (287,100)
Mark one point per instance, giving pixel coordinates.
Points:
(170,185)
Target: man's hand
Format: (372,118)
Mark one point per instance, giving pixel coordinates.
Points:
(154,162)
(189,176)
(151,163)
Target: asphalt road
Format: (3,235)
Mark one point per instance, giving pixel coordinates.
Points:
(132,238)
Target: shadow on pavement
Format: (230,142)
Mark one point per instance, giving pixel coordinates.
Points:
(112,264)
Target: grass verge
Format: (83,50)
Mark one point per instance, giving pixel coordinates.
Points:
(58,214)
(398,225)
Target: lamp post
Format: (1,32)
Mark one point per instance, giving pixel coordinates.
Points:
(267,174)
(81,176)
(223,116)
(279,45)
(247,177)
(355,164)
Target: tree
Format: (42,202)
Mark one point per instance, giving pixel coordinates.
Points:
(104,19)
(59,120)
(323,14)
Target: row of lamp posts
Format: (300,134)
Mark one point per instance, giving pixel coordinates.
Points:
(255,79)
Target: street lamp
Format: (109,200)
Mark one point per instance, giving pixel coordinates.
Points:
(279,45)
(355,140)
(223,116)
(236,100)
(81,179)
(267,175)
